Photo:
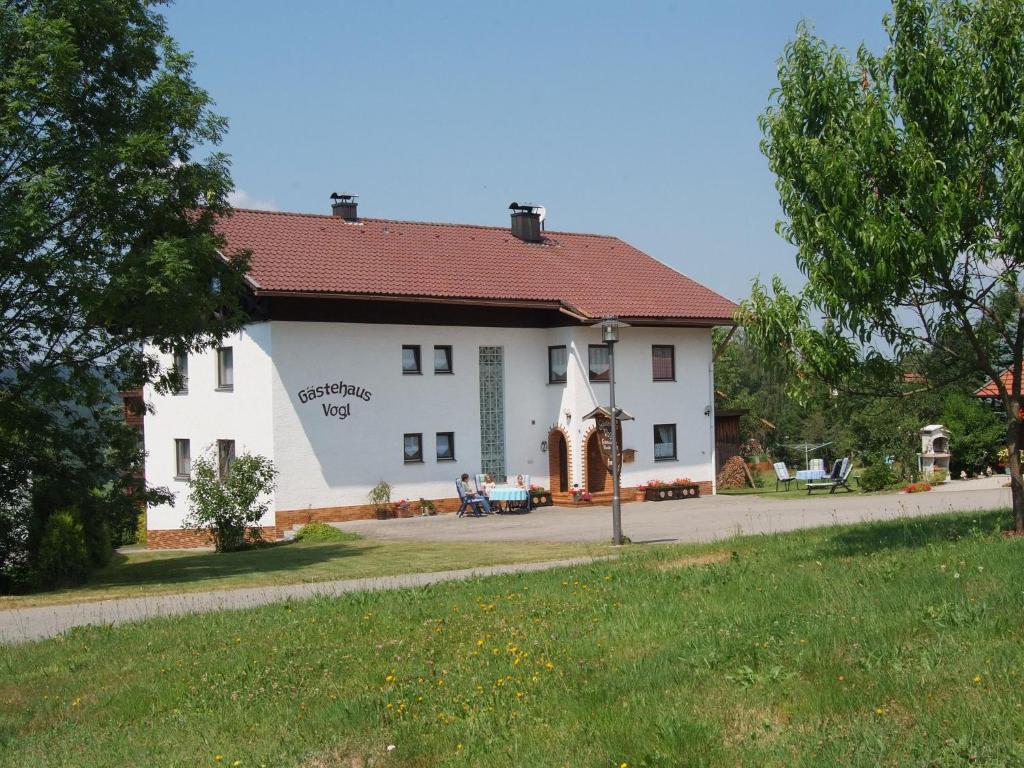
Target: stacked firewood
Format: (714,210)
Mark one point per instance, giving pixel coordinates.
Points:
(733,474)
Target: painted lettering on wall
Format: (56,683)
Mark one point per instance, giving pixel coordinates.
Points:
(338,388)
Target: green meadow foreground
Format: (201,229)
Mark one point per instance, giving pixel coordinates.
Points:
(897,643)
(142,573)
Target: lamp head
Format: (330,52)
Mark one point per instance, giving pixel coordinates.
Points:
(609,330)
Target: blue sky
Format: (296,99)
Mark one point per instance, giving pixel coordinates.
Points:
(632,119)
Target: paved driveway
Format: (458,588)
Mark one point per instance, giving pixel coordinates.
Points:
(704,519)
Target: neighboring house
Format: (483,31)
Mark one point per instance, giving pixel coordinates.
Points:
(413,352)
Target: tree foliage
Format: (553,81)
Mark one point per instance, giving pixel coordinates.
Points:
(106,238)
(230,507)
(901,175)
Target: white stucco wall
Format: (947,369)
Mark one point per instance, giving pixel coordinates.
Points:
(327,461)
(204,415)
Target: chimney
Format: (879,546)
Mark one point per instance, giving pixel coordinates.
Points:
(344,206)
(527,221)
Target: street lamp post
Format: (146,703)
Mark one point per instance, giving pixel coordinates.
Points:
(610,335)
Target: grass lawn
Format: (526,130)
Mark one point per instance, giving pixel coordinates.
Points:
(898,644)
(141,573)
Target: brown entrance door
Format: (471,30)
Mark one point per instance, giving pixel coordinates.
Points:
(597,472)
(558,461)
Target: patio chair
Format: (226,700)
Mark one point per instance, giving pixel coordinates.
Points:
(478,504)
(782,475)
(844,476)
(840,471)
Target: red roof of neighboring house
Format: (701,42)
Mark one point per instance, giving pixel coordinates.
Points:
(991,390)
(593,275)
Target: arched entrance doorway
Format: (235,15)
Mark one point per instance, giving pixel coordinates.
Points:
(598,476)
(558,461)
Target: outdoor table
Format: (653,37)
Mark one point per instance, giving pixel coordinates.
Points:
(509,494)
(811,474)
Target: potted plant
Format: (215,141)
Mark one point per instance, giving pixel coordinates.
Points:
(380,497)
(402,508)
(540,496)
(640,493)
(427,507)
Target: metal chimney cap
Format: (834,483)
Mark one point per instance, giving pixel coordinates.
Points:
(343,197)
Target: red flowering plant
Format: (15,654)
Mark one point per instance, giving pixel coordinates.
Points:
(656,484)
(682,481)
(916,488)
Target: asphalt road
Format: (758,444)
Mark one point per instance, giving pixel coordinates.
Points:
(693,520)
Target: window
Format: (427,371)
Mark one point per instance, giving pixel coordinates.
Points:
(182,460)
(413,448)
(181,369)
(225,457)
(598,362)
(442,359)
(446,446)
(558,363)
(664,442)
(225,369)
(663,362)
(411,359)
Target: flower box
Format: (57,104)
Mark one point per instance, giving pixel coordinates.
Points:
(659,493)
(688,491)
(542,499)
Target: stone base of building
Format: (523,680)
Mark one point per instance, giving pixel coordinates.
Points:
(180,538)
(289,518)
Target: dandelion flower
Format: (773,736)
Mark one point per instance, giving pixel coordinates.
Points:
(977,679)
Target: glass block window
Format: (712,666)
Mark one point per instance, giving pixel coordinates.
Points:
(442,359)
(663,362)
(182,459)
(492,412)
(598,357)
(558,364)
(664,442)
(225,457)
(445,446)
(412,447)
(181,370)
(411,359)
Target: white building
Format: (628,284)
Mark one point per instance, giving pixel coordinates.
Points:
(414,352)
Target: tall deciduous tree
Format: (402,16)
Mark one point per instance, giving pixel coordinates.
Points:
(902,179)
(106,217)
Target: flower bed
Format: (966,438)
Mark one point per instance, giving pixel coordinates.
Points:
(916,488)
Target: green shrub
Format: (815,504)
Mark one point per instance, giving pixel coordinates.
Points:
(877,477)
(97,541)
(230,507)
(937,476)
(63,552)
(317,532)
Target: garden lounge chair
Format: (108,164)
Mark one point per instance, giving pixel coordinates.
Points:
(782,475)
(478,505)
(840,471)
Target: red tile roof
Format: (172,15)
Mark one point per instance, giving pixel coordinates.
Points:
(991,390)
(593,275)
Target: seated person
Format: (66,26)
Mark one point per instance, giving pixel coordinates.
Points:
(488,486)
(520,481)
(471,495)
